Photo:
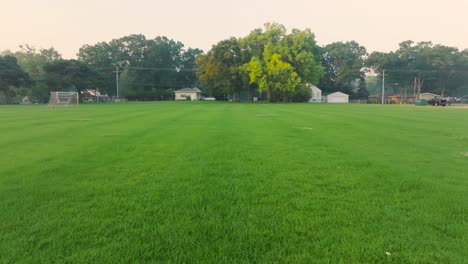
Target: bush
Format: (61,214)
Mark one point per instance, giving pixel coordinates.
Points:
(3,98)
(301,94)
(150,95)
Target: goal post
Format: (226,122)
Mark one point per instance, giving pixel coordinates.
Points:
(63,98)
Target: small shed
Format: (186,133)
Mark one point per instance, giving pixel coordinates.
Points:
(316,93)
(192,93)
(337,97)
(428,96)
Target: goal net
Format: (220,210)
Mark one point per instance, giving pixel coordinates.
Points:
(63,98)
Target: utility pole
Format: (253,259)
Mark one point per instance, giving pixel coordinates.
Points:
(117,80)
(405,96)
(383,87)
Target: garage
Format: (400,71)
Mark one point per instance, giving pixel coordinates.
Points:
(338,98)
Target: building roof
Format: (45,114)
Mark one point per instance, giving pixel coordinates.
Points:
(430,94)
(379,95)
(91,92)
(313,87)
(188,90)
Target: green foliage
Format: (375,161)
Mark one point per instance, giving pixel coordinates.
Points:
(269,60)
(148,64)
(273,75)
(303,53)
(221,69)
(345,69)
(434,68)
(66,75)
(373,84)
(11,76)
(149,95)
(301,94)
(256,72)
(32,61)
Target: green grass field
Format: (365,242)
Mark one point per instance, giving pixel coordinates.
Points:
(233,183)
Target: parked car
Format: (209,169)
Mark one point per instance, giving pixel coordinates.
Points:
(438,101)
(209,99)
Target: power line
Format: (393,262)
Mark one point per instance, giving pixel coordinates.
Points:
(176,69)
(162,69)
(153,84)
(424,71)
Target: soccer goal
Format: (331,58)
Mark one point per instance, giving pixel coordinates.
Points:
(63,98)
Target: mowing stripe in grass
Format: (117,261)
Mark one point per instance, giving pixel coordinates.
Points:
(214,182)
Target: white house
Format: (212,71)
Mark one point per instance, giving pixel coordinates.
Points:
(192,93)
(316,93)
(337,97)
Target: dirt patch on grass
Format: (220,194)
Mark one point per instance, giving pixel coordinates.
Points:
(305,128)
(459,106)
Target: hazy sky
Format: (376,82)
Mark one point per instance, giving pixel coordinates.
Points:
(377,25)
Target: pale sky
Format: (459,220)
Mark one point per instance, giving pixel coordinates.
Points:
(378,25)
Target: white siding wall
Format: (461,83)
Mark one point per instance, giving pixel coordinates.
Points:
(338,98)
(428,96)
(184,95)
(316,95)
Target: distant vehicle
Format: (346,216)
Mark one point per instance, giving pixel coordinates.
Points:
(209,99)
(454,100)
(438,101)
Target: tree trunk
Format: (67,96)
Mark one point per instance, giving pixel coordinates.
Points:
(269,95)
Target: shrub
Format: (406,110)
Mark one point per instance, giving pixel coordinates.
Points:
(301,94)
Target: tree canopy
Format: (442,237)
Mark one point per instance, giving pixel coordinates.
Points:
(151,68)
(345,68)
(270,63)
(267,60)
(424,66)
(69,75)
(11,77)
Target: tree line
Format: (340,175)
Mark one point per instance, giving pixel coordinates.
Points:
(268,63)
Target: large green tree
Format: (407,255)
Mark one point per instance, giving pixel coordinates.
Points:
(230,66)
(11,77)
(151,68)
(69,75)
(422,67)
(301,50)
(286,60)
(345,68)
(220,69)
(273,76)
(32,61)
